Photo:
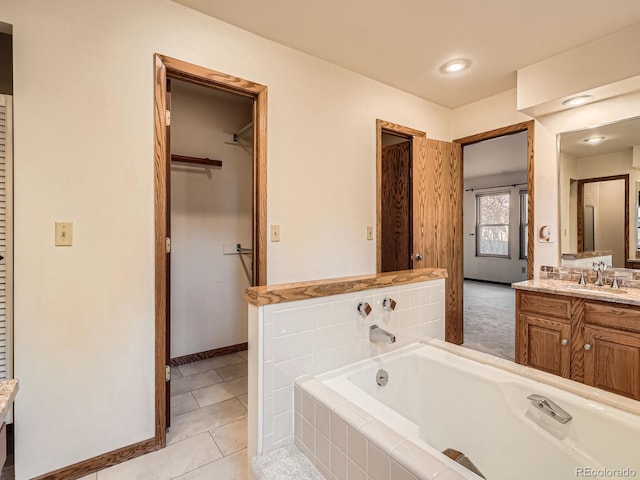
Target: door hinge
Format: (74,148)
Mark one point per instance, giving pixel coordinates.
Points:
(167,244)
(167,373)
(167,118)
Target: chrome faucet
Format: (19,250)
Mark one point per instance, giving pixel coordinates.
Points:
(549,407)
(599,268)
(377,334)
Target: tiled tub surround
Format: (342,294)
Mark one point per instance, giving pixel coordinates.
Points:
(459,399)
(321,333)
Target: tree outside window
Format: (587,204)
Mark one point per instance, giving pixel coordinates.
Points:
(492,224)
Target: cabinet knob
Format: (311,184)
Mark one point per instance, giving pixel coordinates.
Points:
(587,346)
(564,342)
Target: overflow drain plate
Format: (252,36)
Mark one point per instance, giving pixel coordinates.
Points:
(382,377)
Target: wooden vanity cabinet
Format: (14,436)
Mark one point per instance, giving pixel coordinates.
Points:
(543,332)
(594,342)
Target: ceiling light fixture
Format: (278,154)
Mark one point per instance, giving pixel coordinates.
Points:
(593,140)
(455,66)
(579,100)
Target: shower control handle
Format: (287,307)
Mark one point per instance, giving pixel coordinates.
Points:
(364,309)
(389,304)
(564,342)
(587,346)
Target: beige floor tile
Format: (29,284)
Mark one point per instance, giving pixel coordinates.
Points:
(176,373)
(221,391)
(183,403)
(192,382)
(244,399)
(204,419)
(167,463)
(231,437)
(233,467)
(233,371)
(91,476)
(244,354)
(210,364)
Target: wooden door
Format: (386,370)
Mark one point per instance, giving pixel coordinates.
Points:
(396,208)
(437,225)
(168,253)
(612,360)
(545,344)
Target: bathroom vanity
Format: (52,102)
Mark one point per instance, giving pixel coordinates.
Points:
(585,333)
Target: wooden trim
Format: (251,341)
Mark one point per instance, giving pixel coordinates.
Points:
(216,352)
(167,67)
(196,160)
(289,292)
(382,126)
(455,330)
(160,202)
(101,462)
(580,212)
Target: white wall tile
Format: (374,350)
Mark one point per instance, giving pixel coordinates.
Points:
(283,400)
(317,335)
(283,321)
(282,426)
(267,418)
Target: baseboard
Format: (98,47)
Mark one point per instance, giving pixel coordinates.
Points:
(488,281)
(101,462)
(216,352)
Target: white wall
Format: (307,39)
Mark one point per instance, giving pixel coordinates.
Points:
(210,207)
(83,89)
(607,198)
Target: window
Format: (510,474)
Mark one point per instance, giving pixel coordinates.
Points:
(492,224)
(524,223)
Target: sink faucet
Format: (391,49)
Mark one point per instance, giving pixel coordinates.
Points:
(377,334)
(599,268)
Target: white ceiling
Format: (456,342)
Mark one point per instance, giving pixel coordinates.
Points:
(403,43)
(619,137)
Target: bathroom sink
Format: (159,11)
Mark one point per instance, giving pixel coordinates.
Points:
(593,288)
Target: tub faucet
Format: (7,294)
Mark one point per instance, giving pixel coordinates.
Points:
(377,334)
(550,408)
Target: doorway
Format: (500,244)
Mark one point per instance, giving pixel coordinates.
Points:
(497,205)
(189,76)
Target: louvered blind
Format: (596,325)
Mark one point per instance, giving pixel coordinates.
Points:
(6,334)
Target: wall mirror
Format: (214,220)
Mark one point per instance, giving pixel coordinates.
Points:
(599,195)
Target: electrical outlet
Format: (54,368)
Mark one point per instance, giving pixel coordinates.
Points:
(275,233)
(64,234)
(369,232)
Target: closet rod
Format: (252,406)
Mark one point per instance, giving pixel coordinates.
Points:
(497,186)
(242,131)
(196,160)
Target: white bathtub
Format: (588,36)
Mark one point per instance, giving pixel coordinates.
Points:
(437,398)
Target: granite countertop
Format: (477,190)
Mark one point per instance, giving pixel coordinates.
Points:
(8,390)
(575,256)
(626,295)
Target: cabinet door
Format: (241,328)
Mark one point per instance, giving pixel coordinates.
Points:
(546,344)
(612,360)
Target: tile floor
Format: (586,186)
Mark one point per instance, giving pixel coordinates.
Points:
(208,435)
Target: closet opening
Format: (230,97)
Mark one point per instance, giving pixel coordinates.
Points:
(210,173)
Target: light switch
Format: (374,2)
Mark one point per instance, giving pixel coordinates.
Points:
(369,232)
(275,233)
(64,234)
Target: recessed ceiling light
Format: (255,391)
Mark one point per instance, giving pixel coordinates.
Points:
(455,66)
(579,100)
(593,140)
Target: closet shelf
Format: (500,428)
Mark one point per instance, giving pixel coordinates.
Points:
(196,160)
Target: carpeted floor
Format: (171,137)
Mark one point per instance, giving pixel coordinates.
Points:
(489,318)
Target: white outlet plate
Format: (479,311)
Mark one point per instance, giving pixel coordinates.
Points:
(275,233)
(64,234)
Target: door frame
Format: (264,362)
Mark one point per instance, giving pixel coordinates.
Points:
(580,212)
(454,330)
(167,67)
(382,126)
